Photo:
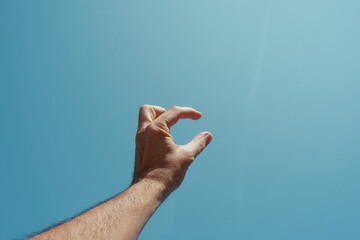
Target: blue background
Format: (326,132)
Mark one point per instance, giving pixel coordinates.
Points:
(277,81)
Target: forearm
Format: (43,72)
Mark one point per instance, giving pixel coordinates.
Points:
(121,217)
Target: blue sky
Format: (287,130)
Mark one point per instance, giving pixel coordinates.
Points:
(277,82)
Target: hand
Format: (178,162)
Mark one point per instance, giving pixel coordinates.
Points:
(157,156)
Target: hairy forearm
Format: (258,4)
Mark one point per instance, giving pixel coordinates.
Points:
(121,217)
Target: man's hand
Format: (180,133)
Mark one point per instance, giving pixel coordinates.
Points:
(157,155)
(160,167)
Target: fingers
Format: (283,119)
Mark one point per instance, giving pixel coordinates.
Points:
(147,114)
(171,116)
(198,143)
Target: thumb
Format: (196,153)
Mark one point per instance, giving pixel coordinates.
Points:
(198,143)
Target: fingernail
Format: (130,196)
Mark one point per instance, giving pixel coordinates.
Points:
(208,137)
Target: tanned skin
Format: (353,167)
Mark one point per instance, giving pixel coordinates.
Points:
(160,167)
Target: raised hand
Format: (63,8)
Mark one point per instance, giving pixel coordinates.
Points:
(158,157)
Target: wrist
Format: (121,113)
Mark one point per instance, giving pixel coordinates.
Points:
(169,178)
(159,189)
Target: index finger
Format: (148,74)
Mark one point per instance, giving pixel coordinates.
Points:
(172,116)
(147,114)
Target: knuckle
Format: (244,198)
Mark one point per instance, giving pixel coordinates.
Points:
(151,128)
(202,142)
(144,107)
(175,108)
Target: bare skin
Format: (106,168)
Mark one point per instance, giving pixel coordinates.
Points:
(160,168)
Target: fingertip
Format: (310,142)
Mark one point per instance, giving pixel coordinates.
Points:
(193,114)
(209,137)
(198,115)
(161,108)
